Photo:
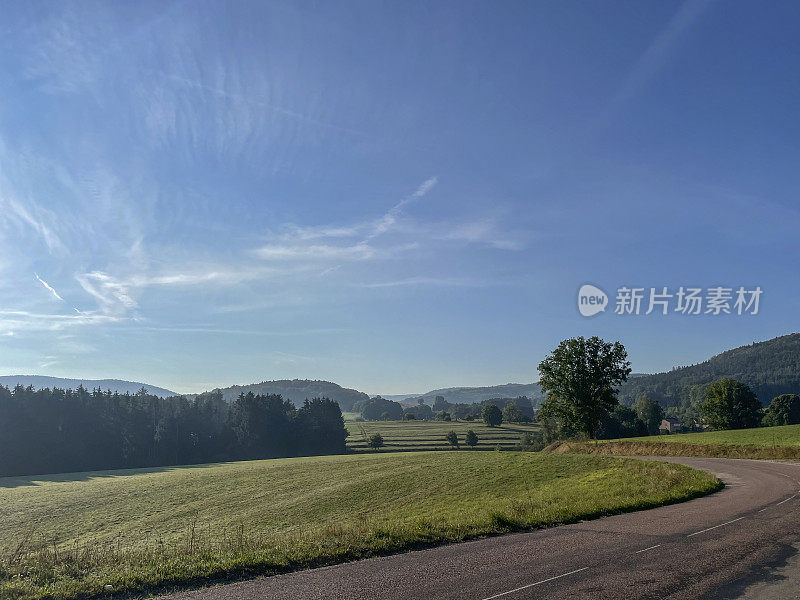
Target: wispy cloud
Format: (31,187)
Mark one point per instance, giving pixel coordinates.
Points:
(256,103)
(112,295)
(376,239)
(312,233)
(48,361)
(13,321)
(658,52)
(292,244)
(247,332)
(420,281)
(48,287)
(386,222)
(359,251)
(118,295)
(486,231)
(32,216)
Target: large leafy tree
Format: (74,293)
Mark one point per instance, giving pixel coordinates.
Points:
(622,422)
(512,413)
(650,412)
(580,378)
(783,410)
(492,415)
(730,404)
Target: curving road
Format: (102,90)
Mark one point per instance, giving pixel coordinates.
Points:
(737,543)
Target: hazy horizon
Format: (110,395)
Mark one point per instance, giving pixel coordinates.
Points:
(383,393)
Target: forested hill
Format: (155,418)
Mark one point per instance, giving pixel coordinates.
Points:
(298,390)
(39,382)
(770,368)
(472,395)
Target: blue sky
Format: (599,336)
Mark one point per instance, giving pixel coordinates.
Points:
(394,196)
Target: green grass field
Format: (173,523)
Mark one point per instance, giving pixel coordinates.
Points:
(781,442)
(430,435)
(143,531)
(785,435)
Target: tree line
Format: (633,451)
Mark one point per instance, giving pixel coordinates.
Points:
(581,379)
(769,369)
(58,431)
(516,410)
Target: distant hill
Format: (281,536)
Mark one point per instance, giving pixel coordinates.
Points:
(472,395)
(400,397)
(115,385)
(770,368)
(297,390)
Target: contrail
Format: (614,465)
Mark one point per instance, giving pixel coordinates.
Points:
(48,287)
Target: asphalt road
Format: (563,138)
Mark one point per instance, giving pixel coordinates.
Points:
(738,543)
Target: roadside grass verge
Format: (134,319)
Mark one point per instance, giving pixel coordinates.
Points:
(759,443)
(779,436)
(626,448)
(158,530)
(430,435)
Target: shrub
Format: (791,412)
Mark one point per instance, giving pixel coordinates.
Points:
(452,438)
(471,439)
(532,441)
(375,441)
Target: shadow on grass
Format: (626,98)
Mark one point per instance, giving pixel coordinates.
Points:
(36,479)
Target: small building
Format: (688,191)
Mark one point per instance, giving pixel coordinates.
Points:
(670,425)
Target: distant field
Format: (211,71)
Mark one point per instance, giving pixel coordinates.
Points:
(760,442)
(145,531)
(430,435)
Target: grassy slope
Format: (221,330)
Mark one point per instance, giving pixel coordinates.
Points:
(761,442)
(134,529)
(430,435)
(785,435)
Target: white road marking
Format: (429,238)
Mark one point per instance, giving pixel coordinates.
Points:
(779,503)
(525,587)
(530,585)
(715,527)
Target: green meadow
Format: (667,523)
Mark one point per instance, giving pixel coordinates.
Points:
(430,435)
(155,530)
(781,442)
(783,435)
